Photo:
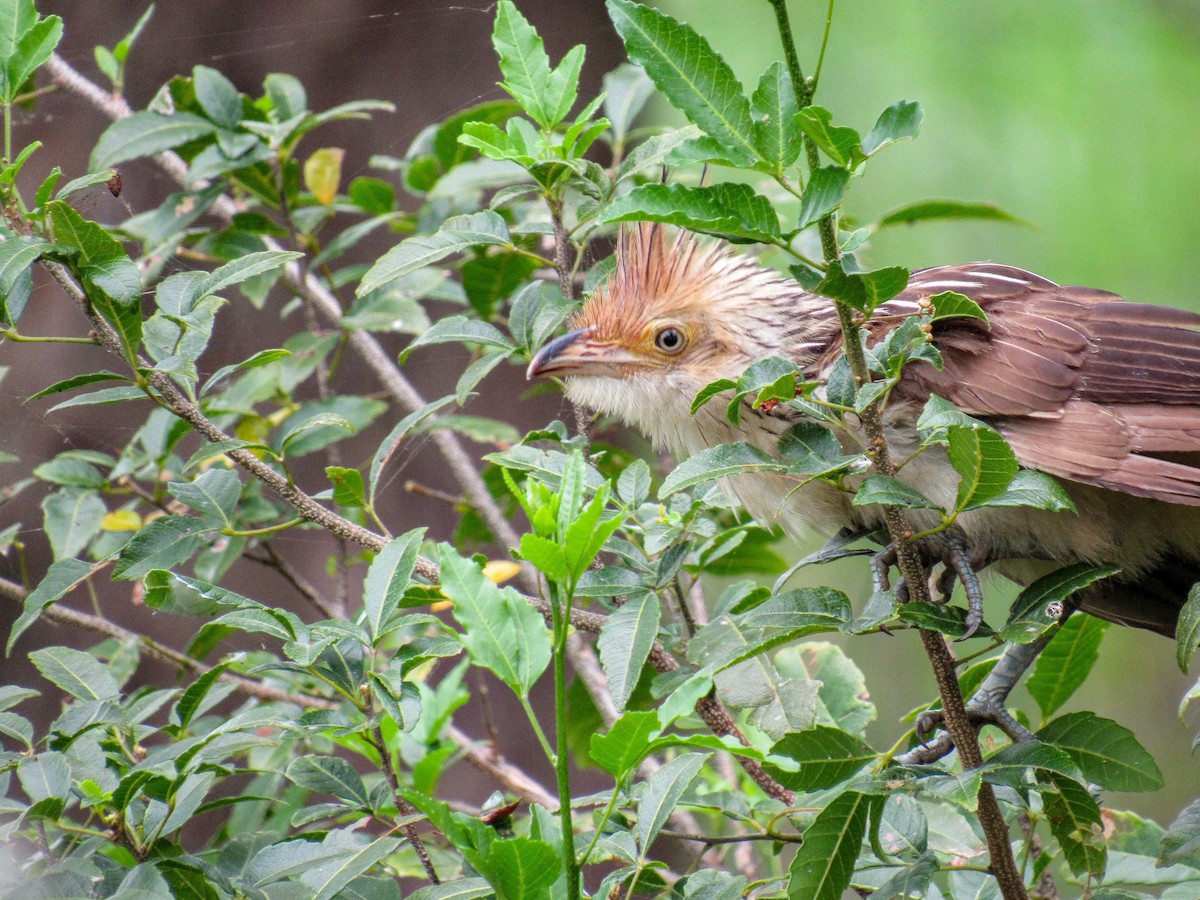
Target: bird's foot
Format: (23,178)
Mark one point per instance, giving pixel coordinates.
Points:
(951,549)
(983,709)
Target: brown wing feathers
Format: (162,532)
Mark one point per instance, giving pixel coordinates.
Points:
(1084,385)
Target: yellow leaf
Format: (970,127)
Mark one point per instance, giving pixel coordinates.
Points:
(121,520)
(499,571)
(323,172)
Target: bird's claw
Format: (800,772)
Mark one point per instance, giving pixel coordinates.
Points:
(960,563)
(982,710)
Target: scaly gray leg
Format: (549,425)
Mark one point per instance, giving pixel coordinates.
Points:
(986,707)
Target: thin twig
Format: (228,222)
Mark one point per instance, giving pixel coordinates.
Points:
(273,560)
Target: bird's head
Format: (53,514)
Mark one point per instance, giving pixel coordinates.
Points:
(676,314)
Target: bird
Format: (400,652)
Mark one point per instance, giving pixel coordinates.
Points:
(1097,391)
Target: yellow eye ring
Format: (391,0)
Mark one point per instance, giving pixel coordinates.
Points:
(670,340)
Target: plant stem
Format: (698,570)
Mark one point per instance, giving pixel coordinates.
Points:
(900,529)
(560,603)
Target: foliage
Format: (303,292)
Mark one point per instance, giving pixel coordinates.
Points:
(315,764)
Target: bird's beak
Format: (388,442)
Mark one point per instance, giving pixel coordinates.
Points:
(576,354)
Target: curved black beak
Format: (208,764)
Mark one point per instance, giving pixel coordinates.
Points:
(554,357)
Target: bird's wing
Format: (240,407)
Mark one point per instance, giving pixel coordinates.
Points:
(1082,384)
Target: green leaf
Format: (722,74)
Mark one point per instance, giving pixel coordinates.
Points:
(823,194)
(94,243)
(489,280)
(1036,489)
(321,423)
(400,699)
(107,395)
(1010,764)
(625,642)
(460,889)
(1187,629)
(45,775)
(521,867)
(861,290)
(220,448)
(730,210)
(85,181)
(689,73)
(773,107)
(16,18)
(717,462)
(72,518)
(335,878)
(825,757)
(1076,824)
(460,330)
(387,579)
(657,151)
(587,534)
(78,381)
(1065,662)
(926,210)
(348,486)
(842,145)
(62,577)
(547,96)
(192,699)
(1181,843)
(217,96)
(912,881)
(242,269)
(627,89)
(502,632)
(476,372)
(940,413)
(458,233)
(79,674)
(625,744)
(823,865)
(1040,606)
(329,775)
(546,556)
(17,254)
(710,390)
(33,49)
(1106,752)
(885,490)
(144,134)
(389,444)
(899,121)
(661,794)
(163,543)
(949,620)
(953,305)
(214,495)
(984,462)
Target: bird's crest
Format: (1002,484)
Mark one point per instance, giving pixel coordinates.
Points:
(656,275)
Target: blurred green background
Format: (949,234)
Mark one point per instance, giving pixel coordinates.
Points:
(1084,120)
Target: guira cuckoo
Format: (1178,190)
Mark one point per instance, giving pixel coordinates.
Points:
(1100,392)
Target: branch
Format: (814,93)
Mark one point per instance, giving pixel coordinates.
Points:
(900,529)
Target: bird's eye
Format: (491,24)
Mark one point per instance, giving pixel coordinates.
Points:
(670,340)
